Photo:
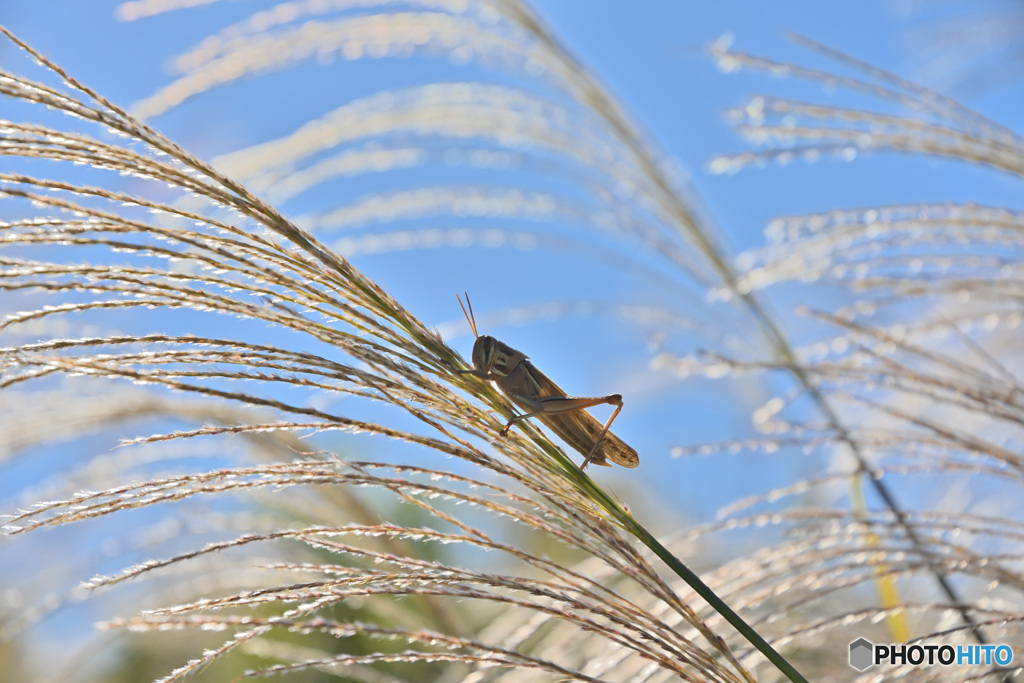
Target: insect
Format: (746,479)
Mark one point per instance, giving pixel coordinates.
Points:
(539,397)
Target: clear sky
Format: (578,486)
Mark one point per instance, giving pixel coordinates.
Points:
(652,56)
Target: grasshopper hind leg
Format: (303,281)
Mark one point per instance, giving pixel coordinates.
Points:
(597,443)
(551,406)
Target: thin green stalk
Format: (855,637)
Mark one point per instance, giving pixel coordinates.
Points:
(634,527)
(719,605)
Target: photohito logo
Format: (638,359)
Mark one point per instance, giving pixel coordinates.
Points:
(864,653)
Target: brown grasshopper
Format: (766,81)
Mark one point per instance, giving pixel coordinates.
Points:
(531,390)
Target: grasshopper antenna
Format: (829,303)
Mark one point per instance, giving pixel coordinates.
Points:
(470,318)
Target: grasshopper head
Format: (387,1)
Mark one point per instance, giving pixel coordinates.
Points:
(484,352)
(490,355)
(493,357)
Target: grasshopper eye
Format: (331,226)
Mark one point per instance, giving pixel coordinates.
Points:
(487,350)
(483,351)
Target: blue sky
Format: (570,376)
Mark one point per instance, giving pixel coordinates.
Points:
(652,56)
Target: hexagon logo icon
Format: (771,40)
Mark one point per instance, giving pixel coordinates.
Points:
(861,654)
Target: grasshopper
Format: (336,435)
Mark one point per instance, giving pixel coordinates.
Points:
(531,390)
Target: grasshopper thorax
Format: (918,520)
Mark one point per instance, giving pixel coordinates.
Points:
(494,357)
